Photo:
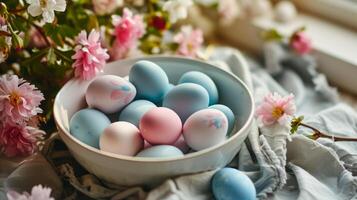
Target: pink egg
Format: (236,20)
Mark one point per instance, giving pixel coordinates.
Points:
(109,93)
(121,138)
(160,126)
(205,128)
(181,144)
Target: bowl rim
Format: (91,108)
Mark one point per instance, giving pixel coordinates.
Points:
(158,160)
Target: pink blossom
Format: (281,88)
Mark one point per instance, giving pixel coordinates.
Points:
(2,21)
(301,43)
(90,57)
(228,10)
(38,192)
(36,39)
(18,139)
(128,29)
(19,100)
(189,41)
(102,7)
(275,108)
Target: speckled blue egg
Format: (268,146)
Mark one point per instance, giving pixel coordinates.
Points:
(87,125)
(150,81)
(203,80)
(232,184)
(160,151)
(229,114)
(186,99)
(135,110)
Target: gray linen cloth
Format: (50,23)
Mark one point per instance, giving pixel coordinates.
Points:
(297,169)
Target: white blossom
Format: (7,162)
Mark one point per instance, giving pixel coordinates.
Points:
(46,8)
(177,9)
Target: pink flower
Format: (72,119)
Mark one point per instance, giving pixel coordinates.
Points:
(128,29)
(228,10)
(189,41)
(19,101)
(18,139)
(38,192)
(275,108)
(301,43)
(36,39)
(102,7)
(90,57)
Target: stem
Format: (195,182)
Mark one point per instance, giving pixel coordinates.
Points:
(321,134)
(38,28)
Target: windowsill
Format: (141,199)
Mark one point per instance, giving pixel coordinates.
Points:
(335,47)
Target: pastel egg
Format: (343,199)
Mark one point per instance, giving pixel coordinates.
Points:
(160,126)
(229,114)
(186,99)
(109,93)
(150,81)
(87,125)
(203,80)
(160,151)
(135,110)
(205,128)
(181,144)
(121,138)
(232,184)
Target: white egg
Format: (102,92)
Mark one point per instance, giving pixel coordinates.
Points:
(205,128)
(121,138)
(109,93)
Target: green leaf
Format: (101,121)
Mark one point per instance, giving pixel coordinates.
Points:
(272,35)
(51,56)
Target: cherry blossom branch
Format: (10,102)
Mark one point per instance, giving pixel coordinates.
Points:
(296,122)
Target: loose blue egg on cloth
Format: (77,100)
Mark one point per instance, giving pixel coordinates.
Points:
(150,80)
(186,99)
(203,80)
(229,114)
(135,110)
(232,184)
(109,93)
(160,151)
(87,125)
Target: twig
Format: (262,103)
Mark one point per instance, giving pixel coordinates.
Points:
(321,134)
(38,28)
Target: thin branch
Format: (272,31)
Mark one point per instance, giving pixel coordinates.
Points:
(38,28)
(324,135)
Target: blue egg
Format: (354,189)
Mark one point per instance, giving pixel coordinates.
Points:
(232,184)
(87,125)
(186,98)
(203,80)
(150,81)
(135,110)
(160,151)
(229,114)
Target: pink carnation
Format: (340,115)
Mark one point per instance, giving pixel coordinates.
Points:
(19,100)
(38,192)
(301,43)
(189,41)
(128,29)
(90,57)
(18,139)
(275,108)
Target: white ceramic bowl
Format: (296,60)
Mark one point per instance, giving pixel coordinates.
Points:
(128,171)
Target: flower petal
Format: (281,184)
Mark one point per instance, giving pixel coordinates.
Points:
(34,10)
